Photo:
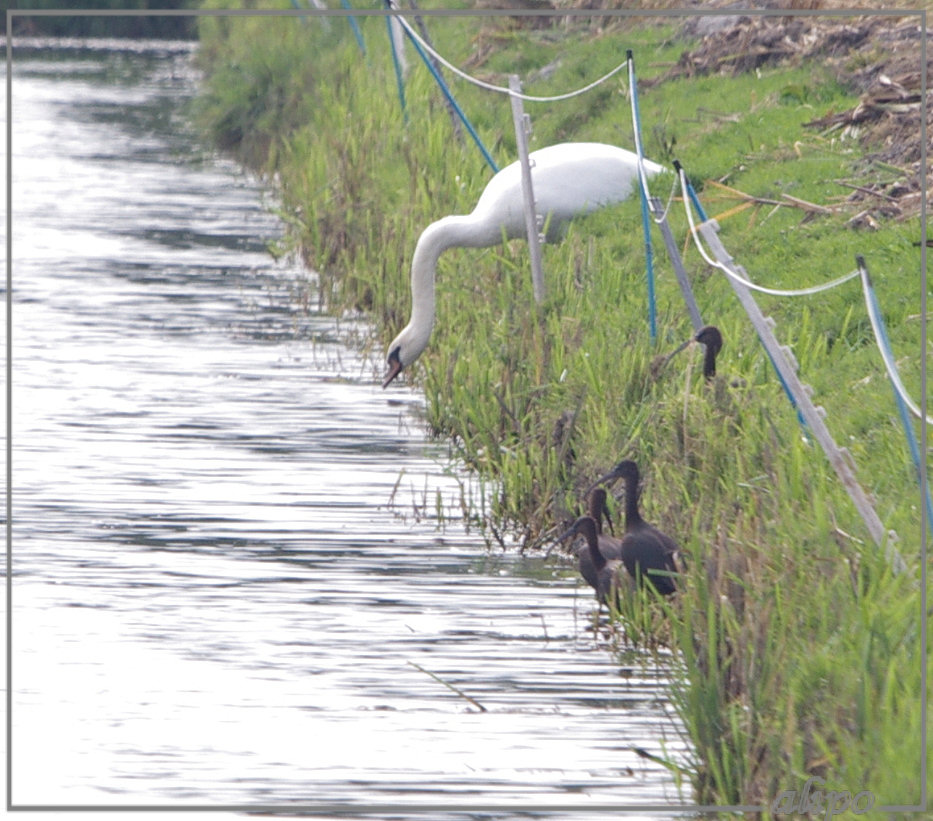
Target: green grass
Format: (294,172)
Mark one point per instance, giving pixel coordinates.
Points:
(797,649)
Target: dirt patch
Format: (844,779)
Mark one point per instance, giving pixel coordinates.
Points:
(878,57)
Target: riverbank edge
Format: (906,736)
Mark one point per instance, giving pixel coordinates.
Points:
(733,662)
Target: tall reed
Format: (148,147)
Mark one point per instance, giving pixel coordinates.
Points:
(796,649)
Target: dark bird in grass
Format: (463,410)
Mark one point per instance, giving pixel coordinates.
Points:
(610,548)
(605,571)
(599,510)
(648,554)
(708,336)
(712,339)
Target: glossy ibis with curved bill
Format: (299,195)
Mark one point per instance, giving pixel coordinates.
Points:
(708,336)
(648,554)
(606,572)
(609,547)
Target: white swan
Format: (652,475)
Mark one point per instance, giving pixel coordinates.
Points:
(568,179)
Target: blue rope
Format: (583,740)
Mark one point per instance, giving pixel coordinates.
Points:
(694,199)
(909,433)
(450,98)
(645,217)
(355,26)
(649,265)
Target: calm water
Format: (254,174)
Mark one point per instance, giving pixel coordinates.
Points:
(227,558)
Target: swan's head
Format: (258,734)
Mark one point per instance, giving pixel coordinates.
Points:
(404,350)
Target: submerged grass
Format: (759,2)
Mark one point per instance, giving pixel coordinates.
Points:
(797,650)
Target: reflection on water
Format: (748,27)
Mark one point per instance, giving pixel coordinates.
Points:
(231,586)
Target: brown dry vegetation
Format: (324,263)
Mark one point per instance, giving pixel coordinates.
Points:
(876,56)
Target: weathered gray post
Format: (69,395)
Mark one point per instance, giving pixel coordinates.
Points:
(786,365)
(673,252)
(531,216)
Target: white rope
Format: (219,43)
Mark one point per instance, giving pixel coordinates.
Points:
(889,364)
(814,289)
(502,89)
(667,208)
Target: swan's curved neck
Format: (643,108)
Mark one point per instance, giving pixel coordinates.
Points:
(459,231)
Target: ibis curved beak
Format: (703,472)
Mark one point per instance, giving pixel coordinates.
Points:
(395,368)
(567,534)
(611,475)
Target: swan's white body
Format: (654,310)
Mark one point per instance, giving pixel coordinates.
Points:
(568,179)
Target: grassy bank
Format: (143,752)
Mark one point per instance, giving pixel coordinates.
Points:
(799,648)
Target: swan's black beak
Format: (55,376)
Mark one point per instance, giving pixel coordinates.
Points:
(395,367)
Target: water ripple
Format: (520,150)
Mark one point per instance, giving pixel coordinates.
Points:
(231,581)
